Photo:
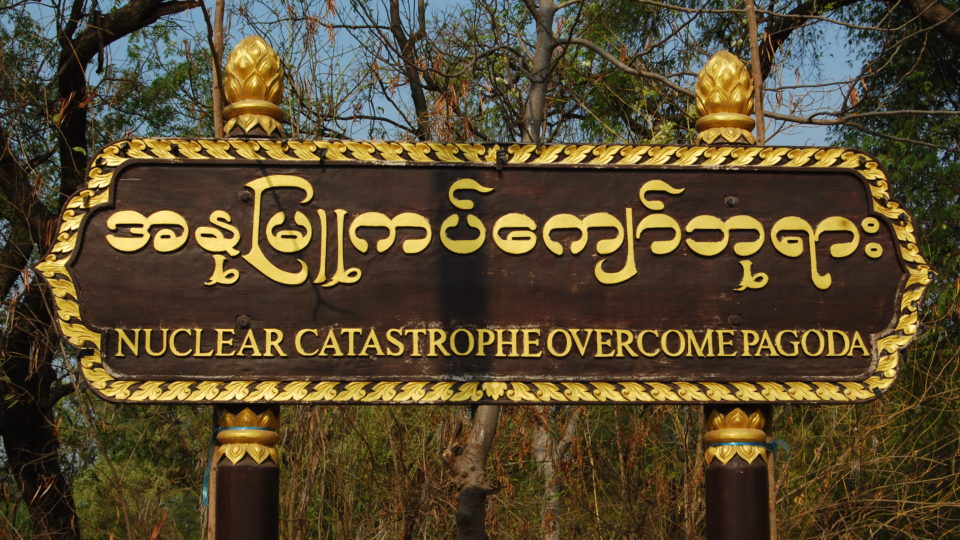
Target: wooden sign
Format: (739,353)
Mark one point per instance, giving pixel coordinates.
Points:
(341,271)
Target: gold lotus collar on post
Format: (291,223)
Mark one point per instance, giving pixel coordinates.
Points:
(735,433)
(248,433)
(253,84)
(725,101)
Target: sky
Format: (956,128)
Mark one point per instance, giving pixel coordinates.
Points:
(835,65)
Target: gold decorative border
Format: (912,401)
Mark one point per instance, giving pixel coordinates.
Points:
(97,192)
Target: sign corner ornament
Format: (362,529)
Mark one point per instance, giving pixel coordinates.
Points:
(250,270)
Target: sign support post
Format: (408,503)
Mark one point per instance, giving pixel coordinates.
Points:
(248,473)
(247,487)
(737,481)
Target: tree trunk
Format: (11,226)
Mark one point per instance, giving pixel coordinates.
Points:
(534,112)
(28,425)
(469,466)
(551,453)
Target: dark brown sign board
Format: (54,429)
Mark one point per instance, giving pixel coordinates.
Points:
(386,272)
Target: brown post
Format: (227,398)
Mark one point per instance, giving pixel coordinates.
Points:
(737,484)
(246,462)
(248,473)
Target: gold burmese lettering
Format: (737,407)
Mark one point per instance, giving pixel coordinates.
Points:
(289,240)
(172,234)
(598,220)
(658,221)
(221,274)
(255,255)
(322,269)
(410,246)
(132,344)
(342,274)
(792,245)
(211,239)
(707,223)
(292,232)
(298,341)
(463,246)
(744,248)
(520,237)
(629,266)
(656,186)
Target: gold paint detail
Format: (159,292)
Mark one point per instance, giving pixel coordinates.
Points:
(54,268)
(725,101)
(735,427)
(253,84)
(247,433)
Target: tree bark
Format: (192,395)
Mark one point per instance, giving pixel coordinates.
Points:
(28,345)
(28,422)
(934,13)
(469,466)
(550,453)
(408,55)
(533,115)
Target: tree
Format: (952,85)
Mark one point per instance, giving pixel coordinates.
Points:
(44,142)
(74,77)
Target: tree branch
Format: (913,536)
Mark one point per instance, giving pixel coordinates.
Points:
(777,33)
(939,17)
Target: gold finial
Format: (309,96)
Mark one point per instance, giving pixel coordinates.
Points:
(254,87)
(725,101)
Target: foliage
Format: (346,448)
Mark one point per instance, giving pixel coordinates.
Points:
(888,469)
